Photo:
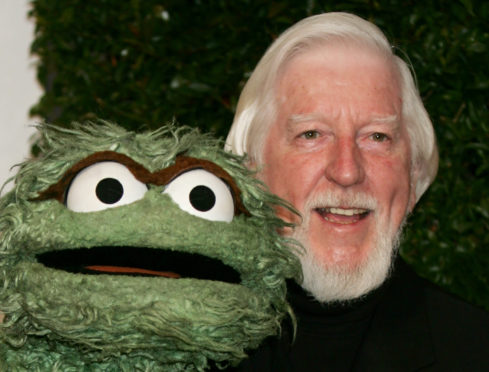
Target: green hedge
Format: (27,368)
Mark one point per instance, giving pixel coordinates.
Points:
(144,62)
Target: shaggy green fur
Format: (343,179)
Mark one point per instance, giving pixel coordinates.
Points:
(60,321)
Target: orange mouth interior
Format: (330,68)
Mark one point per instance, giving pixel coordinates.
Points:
(131,270)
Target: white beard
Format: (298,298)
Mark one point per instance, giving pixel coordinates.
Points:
(337,283)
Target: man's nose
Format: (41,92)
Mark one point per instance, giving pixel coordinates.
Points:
(345,163)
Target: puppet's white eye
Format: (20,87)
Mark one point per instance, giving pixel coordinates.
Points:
(202,194)
(103,185)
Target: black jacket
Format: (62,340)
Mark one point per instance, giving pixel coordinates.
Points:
(406,325)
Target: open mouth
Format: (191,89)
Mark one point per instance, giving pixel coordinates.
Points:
(139,262)
(343,216)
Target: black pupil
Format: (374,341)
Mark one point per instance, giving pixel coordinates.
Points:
(109,191)
(202,198)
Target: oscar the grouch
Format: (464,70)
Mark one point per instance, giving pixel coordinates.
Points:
(155,251)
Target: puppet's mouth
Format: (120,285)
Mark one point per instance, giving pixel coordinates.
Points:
(139,262)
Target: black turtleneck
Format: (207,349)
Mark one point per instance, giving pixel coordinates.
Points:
(327,334)
(406,325)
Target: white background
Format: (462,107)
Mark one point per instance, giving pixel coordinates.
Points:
(19,89)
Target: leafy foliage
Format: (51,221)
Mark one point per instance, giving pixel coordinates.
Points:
(143,62)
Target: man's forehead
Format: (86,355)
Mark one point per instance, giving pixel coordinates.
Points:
(342,64)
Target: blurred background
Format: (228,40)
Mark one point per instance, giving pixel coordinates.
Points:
(19,89)
(141,63)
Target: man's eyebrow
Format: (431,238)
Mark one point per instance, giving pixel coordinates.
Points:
(387,119)
(295,119)
(301,118)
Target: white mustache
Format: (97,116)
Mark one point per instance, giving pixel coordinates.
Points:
(347,199)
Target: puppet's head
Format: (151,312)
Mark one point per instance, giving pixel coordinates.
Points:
(123,251)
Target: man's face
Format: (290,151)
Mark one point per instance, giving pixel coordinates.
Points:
(339,152)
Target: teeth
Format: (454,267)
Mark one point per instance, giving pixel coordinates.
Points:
(347,212)
(343,212)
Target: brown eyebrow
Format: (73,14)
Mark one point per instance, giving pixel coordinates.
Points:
(159,178)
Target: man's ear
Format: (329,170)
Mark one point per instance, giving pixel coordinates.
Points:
(253,166)
(250,164)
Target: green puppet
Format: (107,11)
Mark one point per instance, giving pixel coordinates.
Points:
(120,251)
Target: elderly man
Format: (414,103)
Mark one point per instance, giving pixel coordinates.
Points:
(333,122)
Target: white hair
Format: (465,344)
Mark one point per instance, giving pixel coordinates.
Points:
(256,109)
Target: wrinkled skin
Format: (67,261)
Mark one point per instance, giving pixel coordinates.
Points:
(64,313)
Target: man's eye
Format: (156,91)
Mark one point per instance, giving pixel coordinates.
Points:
(379,137)
(310,134)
